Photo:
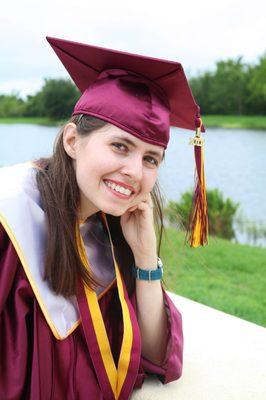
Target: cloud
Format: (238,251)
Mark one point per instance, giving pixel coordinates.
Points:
(194,33)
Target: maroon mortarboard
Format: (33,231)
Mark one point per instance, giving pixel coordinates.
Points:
(141,95)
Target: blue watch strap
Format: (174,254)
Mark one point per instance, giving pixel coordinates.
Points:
(149,274)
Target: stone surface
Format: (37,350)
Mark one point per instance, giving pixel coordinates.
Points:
(224,358)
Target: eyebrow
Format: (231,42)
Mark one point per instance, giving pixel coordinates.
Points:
(125,139)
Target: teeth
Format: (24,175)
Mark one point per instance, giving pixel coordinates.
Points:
(118,188)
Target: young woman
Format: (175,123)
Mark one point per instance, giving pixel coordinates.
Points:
(83,311)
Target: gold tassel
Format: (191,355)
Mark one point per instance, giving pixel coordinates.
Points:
(198,224)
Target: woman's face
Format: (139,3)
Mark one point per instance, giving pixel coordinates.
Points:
(114,169)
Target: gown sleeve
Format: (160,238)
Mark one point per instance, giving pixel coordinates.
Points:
(14,318)
(171,367)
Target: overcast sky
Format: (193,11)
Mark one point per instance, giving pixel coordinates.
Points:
(195,33)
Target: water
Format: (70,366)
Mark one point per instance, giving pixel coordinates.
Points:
(235,163)
(23,142)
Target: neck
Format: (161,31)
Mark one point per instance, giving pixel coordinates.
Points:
(87,209)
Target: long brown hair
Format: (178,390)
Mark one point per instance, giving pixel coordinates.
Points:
(59,192)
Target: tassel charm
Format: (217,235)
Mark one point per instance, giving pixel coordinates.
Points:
(198,224)
(197,139)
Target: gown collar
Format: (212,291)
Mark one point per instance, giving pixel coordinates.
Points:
(23,218)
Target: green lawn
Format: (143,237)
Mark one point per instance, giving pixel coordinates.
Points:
(222,121)
(226,276)
(30,120)
(235,121)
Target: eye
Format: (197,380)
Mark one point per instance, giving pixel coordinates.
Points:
(119,145)
(153,160)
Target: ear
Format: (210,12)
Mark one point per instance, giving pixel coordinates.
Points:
(70,139)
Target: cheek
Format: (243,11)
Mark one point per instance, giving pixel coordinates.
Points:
(148,182)
(90,170)
(151,178)
(85,173)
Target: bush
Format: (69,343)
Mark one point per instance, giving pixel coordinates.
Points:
(11,106)
(34,106)
(59,97)
(221,213)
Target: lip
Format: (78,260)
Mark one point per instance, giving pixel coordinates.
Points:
(117,194)
(121,184)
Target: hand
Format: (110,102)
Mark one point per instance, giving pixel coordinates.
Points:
(138,228)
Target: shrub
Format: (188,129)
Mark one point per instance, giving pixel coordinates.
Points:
(221,213)
(57,98)
(11,105)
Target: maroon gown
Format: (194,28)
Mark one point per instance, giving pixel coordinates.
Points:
(35,365)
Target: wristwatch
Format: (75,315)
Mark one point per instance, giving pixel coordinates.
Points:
(149,274)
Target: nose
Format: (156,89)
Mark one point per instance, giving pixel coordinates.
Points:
(133,169)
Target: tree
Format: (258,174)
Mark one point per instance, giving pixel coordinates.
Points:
(229,87)
(202,87)
(256,83)
(233,88)
(58,97)
(34,106)
(11,105)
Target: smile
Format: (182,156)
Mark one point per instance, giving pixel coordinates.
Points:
(118,190)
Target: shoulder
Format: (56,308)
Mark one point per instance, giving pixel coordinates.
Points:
(17,179)
(9,258)
(20,203)
(22,222)
(4,240)
(12,276)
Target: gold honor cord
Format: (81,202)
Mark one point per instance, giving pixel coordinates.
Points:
(124,357)
(116,376)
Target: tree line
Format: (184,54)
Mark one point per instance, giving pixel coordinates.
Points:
(55,100)
(232,88)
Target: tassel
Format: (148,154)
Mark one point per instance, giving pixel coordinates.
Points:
(198,223)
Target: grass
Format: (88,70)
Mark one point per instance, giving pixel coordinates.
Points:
(221,121)
(235,121)
(30,120)
(223,275)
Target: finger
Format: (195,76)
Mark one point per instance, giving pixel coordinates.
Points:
(144,206)
(133,208)
(149,201)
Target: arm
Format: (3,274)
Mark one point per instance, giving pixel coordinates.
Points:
(14,308)
(161,336)
(151,315)
(8,266)
(161,330)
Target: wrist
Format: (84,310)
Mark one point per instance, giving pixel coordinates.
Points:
(146,262)
(149,274)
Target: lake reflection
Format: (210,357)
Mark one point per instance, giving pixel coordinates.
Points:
(235,162)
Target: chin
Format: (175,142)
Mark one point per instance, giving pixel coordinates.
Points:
(116,212)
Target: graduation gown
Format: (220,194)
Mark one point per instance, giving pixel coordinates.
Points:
(51,347)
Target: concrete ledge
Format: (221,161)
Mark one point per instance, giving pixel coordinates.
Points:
(224,358)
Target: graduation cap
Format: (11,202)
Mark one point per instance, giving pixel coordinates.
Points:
(143,96)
